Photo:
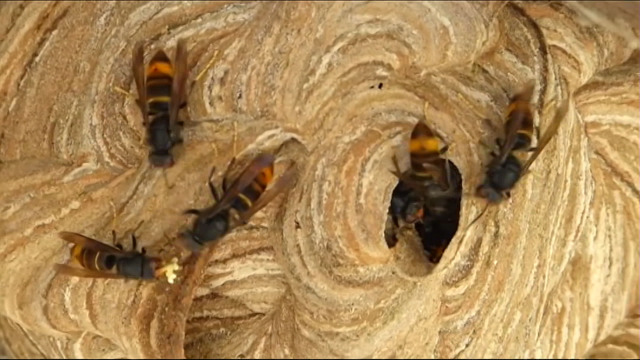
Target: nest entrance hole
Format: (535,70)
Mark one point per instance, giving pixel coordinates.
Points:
(433,229)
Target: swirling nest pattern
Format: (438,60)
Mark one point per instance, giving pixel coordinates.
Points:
(552,273)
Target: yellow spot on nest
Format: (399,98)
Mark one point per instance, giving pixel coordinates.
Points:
(170,270)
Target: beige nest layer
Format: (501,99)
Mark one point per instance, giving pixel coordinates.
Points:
(553,272)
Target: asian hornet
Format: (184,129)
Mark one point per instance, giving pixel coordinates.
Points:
(98,260)
(161,88)
(248,194)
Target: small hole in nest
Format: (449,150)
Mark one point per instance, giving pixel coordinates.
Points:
(433,221)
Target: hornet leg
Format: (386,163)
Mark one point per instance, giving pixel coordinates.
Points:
(214,192)
(134,242)
(115,242)
(444,149)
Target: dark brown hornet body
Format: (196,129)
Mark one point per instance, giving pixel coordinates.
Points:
(248,194)
(441,219)
(99,260)
(426,186)
(161,88)
(505,169)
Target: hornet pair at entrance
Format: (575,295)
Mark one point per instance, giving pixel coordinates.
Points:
(428,194)
(161,94)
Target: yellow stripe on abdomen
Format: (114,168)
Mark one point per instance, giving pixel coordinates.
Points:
(245,200)
(424,145)
(76,254)
(95,261)
(163,99)
(160,67)
(265,176)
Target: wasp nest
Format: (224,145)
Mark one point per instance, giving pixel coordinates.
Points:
(552,272)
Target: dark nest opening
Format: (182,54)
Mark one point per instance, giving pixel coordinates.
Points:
(436,220)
